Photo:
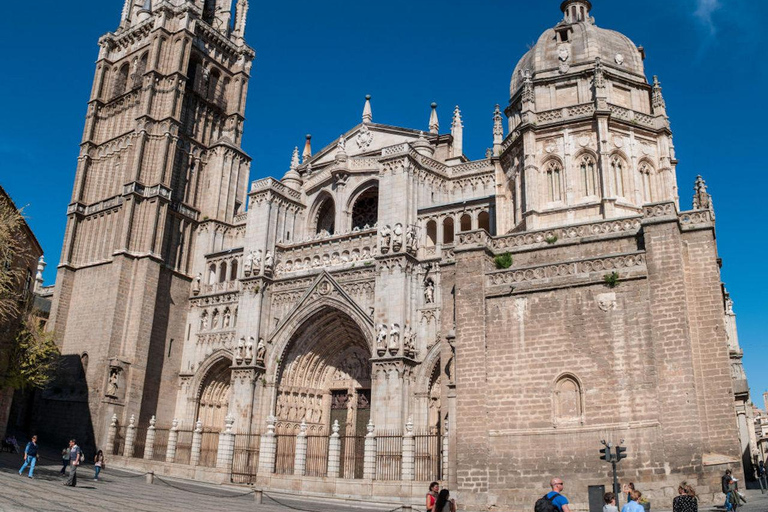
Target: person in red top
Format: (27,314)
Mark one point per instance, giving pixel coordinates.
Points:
(434,488)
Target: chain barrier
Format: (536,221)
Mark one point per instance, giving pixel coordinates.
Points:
(283,504)
(169,484)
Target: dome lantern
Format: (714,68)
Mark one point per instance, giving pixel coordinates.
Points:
(576,11)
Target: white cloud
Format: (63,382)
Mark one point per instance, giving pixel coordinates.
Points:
(705,10)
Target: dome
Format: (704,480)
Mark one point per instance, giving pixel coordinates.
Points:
(574,43)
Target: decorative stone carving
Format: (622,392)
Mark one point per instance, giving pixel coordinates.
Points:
(411,239)
(240,351)
(385,237)
(394,339)
(269,261)
(364,138)
(619,58)
(113,384)
(429,291)
(196,284)
(563,54)
(248,264)
(249,351)
(397,238)
(409,341)
(261,351)
(381,340)
(701,198)
(606,301)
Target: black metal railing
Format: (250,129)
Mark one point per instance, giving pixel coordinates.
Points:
(428,457)
(245,460)
(139,442)
(286,452)
(389,455)
(118,448)
(317,455)
(184,447)
(209,448)
(352,456)
(160,448)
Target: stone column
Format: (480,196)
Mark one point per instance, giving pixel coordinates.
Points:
(173,439)
(149,445)
(226,450)
(112,434)
(197,443)
(267,450)
(369,457)
(334,451)
(300,458)
(444,456)
(130,435)
(409,452)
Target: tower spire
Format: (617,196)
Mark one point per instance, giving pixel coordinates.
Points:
(434,125)
(307,149)
(498,131)
(457,131)
(576,11)
(241,15)
(367,112)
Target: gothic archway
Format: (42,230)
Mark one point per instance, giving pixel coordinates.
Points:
(213,402)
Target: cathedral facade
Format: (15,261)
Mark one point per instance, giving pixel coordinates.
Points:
(521,308)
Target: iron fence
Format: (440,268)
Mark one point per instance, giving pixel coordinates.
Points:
(160,448)
(389,455)
(139,442)
(118,448)
(183,447)
(352,456)
(245,462)
(428,457)
(317,455)
(286,452)
(209,448)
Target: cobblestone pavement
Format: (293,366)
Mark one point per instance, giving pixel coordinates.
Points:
(123,491)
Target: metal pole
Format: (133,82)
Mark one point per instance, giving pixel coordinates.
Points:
(616,489)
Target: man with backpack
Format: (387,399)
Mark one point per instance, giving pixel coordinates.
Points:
(30,457)
(553,501)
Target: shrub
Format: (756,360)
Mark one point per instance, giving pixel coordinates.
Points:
(503,261)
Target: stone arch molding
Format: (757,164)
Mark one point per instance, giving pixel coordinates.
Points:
(211,362)
(324,293)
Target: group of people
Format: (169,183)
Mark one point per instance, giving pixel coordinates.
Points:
(730,487)
(72,457)
(439,500)
(10,444)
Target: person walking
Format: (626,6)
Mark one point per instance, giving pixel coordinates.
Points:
(725,483)
(553,501)
(64,461)
(634,504)
(30,457)
(686,500)
(444,502)
(432,495)
(75,457)
(98,464)
(610,502)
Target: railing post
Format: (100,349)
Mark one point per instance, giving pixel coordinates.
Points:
(409,452)
(267,448)
(173,440)
(149,444)
(111,435)
(369,457)
(334,451)
(130,436)
(197,443)
(300,458)
(444,457)
(226,449)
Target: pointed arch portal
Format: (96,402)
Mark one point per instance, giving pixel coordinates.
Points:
(214,396)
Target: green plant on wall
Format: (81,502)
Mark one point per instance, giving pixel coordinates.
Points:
(503,261)
(551,239)
(612,279)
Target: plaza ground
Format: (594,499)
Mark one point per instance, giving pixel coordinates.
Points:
(122,490)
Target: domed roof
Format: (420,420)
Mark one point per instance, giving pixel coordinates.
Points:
(583,43)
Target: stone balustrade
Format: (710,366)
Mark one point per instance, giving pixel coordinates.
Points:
(345,250)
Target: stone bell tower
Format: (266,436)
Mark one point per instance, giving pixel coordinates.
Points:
(160,176)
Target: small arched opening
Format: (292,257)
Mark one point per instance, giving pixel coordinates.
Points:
(448,230)
(466,222)
(365,211)
(484,221)
(431,233)
(326,217)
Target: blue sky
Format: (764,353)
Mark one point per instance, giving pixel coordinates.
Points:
(317,60)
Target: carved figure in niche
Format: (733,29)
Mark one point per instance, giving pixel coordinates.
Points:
(310,416)
(249,350)
(248,265)
(261,351)
(381,340)
(409,341)
(114,382)
(196,284)
(257,261)
(227,321)
(397,238)
(204,321)
(386,239)
(429,291)
(394,339)
(240,350)
(411,242)
(215,319)
(279,406)
(302,407)
(269,260)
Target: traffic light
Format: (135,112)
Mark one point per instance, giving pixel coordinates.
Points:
(621,453)
(606,454)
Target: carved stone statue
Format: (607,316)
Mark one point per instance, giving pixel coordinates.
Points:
(269,260)
(196,284)
(394,339)
(248,265)
(381,340)
(397,238)
(227,318)
(249,351)
(114,382)
(240,350)
(257,262)
(411,243)
(386,239)
(261,351)
(429,291)
(409,341)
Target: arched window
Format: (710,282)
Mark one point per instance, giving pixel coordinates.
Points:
(568,407)
(212,273)
(121,80)
(484,221)
(223,271)
(233,271)
(554,181)
(431,233)
(214,86)
(141,68)
(617,173)
(466,222)
(588,171)
(647,183)
(365,212)
(193,71)
(326,217)
(448,230)
(209,11)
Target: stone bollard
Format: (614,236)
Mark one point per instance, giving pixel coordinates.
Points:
(226,450)
(334,451)
(149,445)
(111,435)
(369,455)
(258,496)
(197,444)
(130,437)
(150,477)
(409,452)
(300,458)
(173,440)
(444,457)
(268,448)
